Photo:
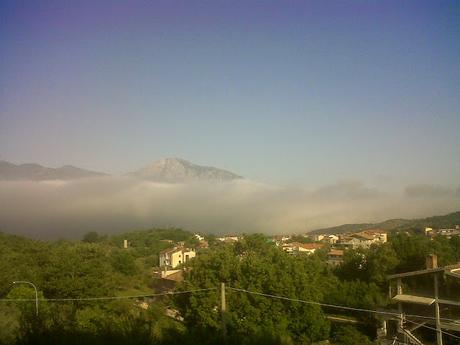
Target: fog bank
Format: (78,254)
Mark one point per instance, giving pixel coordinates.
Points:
(68,209)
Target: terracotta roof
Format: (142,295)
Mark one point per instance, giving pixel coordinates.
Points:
(336,252)
(171,250)
(311,245)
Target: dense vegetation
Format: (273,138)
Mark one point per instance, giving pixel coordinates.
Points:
(99,266)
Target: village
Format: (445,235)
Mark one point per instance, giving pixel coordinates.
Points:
(334,245)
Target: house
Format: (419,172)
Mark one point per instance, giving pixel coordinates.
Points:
(335,257)
(354,242)
(199,237)
(309,248)
(448,232)
(380,235)
(228,238)
(363,239)
(289,248)
(296,247)
(429,232)
(280,239)
(331,239)
(173,257)
(318,237)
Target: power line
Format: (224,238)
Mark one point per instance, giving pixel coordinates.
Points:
(102,298)
(347,308)
(238,290)
(434,329)
(334,305)
(314,303)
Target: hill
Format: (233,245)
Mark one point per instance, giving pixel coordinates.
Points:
(445,221)
(37,172)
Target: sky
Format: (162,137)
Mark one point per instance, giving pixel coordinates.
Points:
(330,96)
(305,92)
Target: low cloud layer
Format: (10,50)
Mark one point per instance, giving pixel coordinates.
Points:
(432,191)
(58,209)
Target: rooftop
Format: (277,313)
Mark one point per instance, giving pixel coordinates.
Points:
(336,252)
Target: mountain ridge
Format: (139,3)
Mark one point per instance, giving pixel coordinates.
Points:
(180,170)
(172,170)
(36,172)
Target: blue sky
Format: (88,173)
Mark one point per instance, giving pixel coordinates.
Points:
(288,92)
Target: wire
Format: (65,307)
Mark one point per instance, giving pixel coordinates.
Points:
(234,289)
(101,298)
(317,303)
(434,329)
(313,302)
(335,306)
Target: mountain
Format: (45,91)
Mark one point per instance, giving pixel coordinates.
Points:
(179,170)
(36,172)
(445,221)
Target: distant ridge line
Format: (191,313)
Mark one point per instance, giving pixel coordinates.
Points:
(444,221)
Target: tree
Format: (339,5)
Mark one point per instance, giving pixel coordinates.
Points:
(455,244)
(369,265)
(77,270)
(411,251)
(91,237)
(348,335)
(9,323)
(123,262)
(257,266)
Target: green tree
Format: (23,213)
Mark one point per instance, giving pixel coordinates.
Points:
(123,262)
(77,270)
(455,244)
(91,237)
(411,251)
(349,335)
(255,265)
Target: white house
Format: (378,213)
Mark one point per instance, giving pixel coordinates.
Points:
(318,237)
(280,239)
(332,239)
(173,257)
(296,247)
(199,237)
(228,238)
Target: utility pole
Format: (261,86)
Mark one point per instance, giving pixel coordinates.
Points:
(436,308)
(223,308)
(400,310)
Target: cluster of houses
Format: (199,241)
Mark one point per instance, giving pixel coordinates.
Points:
(336,243)
(171,259)
(448,232)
